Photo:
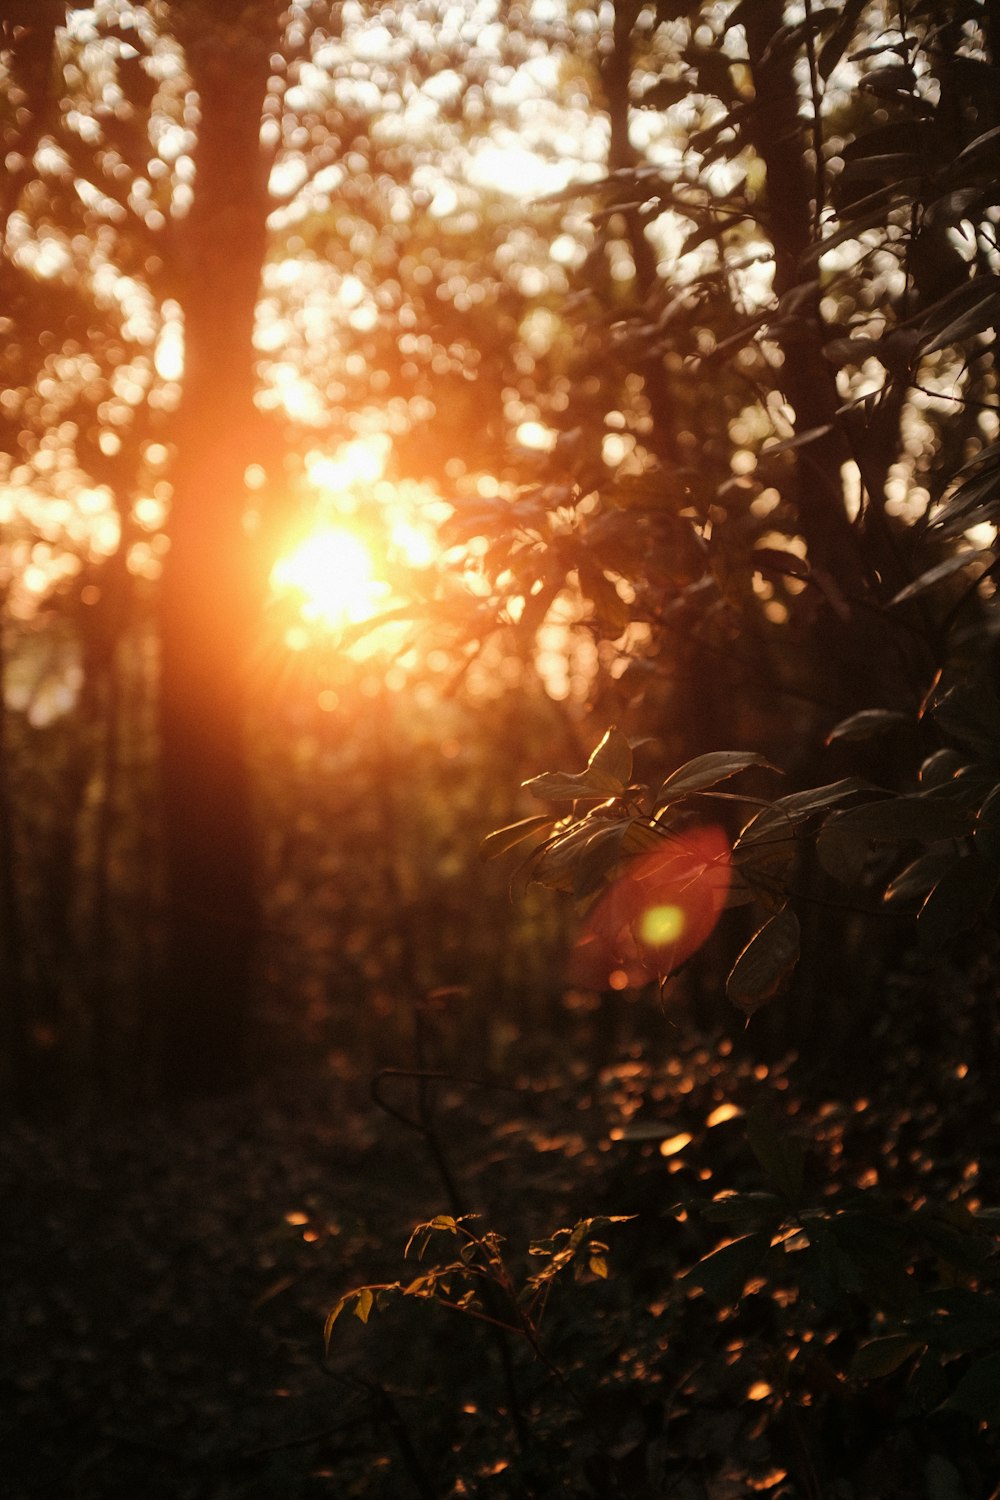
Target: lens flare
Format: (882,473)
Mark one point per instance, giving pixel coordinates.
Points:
(331,574)
(656,914)
(661,926)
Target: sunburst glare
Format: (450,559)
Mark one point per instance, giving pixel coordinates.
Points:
(331,574)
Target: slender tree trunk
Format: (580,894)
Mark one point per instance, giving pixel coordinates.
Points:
(208,591)
(807,379)
(14,1034)
(28,30)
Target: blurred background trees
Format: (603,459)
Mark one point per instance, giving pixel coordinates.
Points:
(647,349)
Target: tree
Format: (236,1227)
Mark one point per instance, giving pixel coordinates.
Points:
(868,183)
(209,591)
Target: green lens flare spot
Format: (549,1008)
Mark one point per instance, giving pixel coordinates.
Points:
(661,925)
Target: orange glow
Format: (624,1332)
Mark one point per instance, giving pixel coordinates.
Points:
(367,530)
(356,464)
(332,575)
(657,913)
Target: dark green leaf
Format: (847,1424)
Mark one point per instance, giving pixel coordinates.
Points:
(841,852)
(970,714)
(987,830)
(940,768)
(978,1392)
(765,962)
(735,1208)
(882,1356)
(867,724)
(840,38)
(723,1274)
(971,308)
(706,771)
(918,878)
(777,1151)
(773,560)
(922,818)
(957,902)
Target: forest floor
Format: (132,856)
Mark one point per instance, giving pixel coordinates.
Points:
(165,1281)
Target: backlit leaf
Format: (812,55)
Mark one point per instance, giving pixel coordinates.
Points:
(987,830)
(502,839)
(765,962)
(937,574)
(612,759)
(707,771)
(866,724)
(723,1274)
(882,1356)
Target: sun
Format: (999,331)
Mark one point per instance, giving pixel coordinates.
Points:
(331,576)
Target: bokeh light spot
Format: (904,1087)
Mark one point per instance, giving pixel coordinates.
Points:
(661,925)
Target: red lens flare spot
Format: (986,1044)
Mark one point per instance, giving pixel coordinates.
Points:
(657,914)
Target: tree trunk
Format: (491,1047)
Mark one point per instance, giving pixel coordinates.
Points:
(808,381)
(208,590)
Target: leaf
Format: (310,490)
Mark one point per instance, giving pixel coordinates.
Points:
(706,771)
(331,1318)
(986,836)
(841,852)
(866,724)
(765,962)
(882,1356)
(723,1274)
(778,1153)
(922,818)
(850,229)
(613,759)
(919,877)
(553,864)
(976,305)
(799,440)
(734,1208)
(940,768)
(970,713)
(978,1392)
(773,560)
(786,813)
(598,855)
(938,574)
(564,786)
(960,898)
(840,38)
(665,92)
(607,774)
(502,839)
(609,607)
(364,1304)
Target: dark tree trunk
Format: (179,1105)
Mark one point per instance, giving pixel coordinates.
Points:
(807,379)
(28,30)
(208,592)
